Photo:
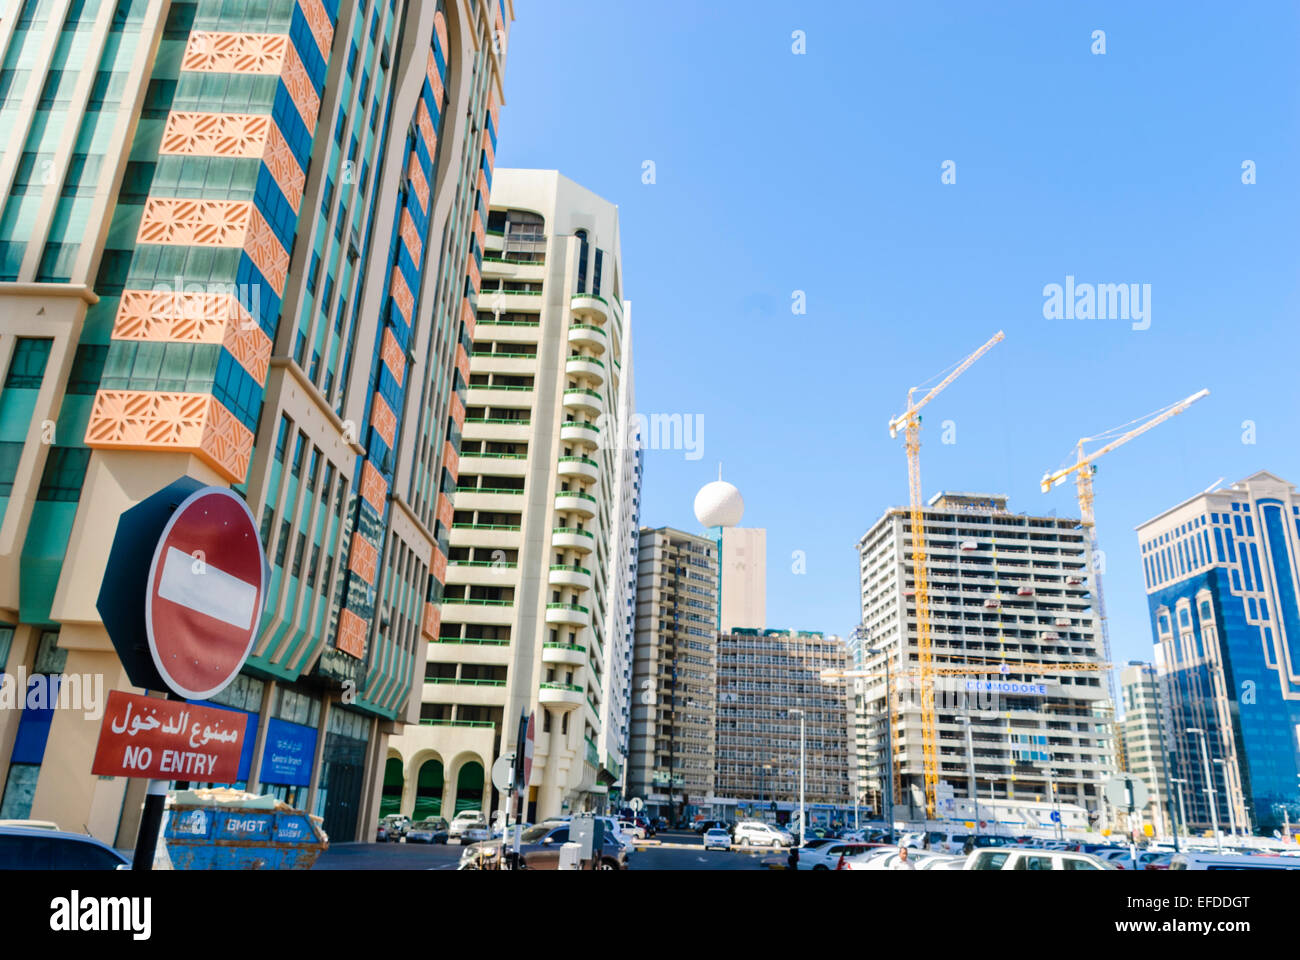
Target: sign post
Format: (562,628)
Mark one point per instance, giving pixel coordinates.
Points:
(182,600)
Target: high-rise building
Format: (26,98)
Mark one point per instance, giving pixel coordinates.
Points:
(1006,590)
(535,614)
(1221,577)
(1144,732)
(764,678)
(240,241)
(674,679)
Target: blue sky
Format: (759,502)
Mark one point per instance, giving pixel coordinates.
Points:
(821,172)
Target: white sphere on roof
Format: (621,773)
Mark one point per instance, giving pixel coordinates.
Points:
(719,504)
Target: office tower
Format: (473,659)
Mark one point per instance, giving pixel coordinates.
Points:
(534,614)
(674,679)
(241,242)
(1144,730)
(1221,571)
(1007,591)
(762,676)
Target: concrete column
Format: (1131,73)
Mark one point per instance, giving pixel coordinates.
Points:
(318,761)
(22,651)
(259,746)
(550,793)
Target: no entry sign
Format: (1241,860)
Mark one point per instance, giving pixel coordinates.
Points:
(206,593)
(168,740)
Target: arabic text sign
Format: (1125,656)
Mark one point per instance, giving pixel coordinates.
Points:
(168,740)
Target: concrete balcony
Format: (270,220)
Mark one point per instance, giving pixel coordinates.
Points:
(588,307)
(509,431)
(489,498)
(484,535)
(479,395)
(561,696)
(494,612)
(572,501)
(570,576)
(569,538)
(579,467)
(571,654)
(483,573)
(504,464)
(573,431)
(588,335)
(590,369)
(568,614)
(584,400)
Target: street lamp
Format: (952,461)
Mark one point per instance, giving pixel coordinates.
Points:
(802,838)
(970,769)
(1209,787)
(889,734)
(762,791)
(1051,789)
(1227,792)
(1182,811)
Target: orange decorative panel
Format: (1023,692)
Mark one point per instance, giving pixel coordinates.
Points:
(435,81)
(363,559)
(194,318)
(351,635)
(494,109)
(194,423)
(264,249)
(425,123)
(432,621)
(445,510)
(440,26)
(471,270)
(500,27)
(301,89)
(374,488)
(402,294)
(383,419)
(462,361)
(481,233)
(438,565)
(257,53)
(450,458)
(410,236)
(283,165)
(489,150)
(321,28)
(393,357)
(214,134)
(483,187)
(418,183)
(195,223)
(457,411)
(468,317)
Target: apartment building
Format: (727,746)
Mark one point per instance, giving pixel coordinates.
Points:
(1007,592)
(1221,580)
(1144,735)
(765,677)
(535,614)
(240,242)
(674,680)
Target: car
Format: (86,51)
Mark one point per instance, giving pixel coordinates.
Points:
(392,828)
(1227,861)
(884,858)
(632,829)
(701,826)
(27,847)
(432,830)
(756,833)
(467,821)
(717,839)
(825,855)
(539,849)
(1021,858)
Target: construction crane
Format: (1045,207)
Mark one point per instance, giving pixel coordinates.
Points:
(1083,469)
(910,423)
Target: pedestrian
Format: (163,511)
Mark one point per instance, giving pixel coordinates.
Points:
(968,846)
(925,842)
(903,862)
(792,859)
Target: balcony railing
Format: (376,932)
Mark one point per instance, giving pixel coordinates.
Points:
(567,606)
(571,687)
(575,647)
(485,526)
(571,568)
(457,723)
(584,533)
(559,494)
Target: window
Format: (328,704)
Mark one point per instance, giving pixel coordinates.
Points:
(283,545)
(282,439)
(27,368)
(64,474)
(87,368)
(10,453)
(299,451)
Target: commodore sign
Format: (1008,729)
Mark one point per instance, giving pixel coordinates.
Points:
(1008,686)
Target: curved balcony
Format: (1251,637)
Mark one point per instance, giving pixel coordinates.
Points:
(588,306)
(588,401)
(568,614)
(560,696)
(575,431)
(588,335)
(576,502)
(583,467)
(589,367)
(564,575)
(571,654)
(571,538)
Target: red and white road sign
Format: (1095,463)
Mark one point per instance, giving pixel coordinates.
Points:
(528,753)
(168,740)
(207,590)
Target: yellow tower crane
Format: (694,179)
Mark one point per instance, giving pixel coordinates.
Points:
(910,423)
(1083,469)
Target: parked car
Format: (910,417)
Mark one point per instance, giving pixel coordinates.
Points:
(632,829)
(756,833)
(539,848)
(1019,858)
(394,827)
(432,830)
(884,858)
(468,826)
(701,826)
(717,839)
(24,847)
(1229,861)
(826,854)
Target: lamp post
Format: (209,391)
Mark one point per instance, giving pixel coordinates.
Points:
(889,745)
(762,790)
(1209,787)
(971,791)
(1051,789)
(1182,811)
(1227,792)
(801,775)
(1164,756)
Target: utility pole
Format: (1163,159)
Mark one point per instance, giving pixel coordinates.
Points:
(802,838)
(971,789)
(672,733)
(1209,787)
(1227,792)
(1182,810)
(1164,757)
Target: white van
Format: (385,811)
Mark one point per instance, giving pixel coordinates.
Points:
(1022,858)
(756,833)
(1233,861)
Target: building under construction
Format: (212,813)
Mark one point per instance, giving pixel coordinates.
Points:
(1009,595)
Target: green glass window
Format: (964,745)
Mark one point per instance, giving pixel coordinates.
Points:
(65,472)
(10,453)
(27,368)
(87,368)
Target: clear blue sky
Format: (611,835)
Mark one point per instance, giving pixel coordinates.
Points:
(821,173)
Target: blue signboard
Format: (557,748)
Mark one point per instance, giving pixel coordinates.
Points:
(250,736)
(289,753)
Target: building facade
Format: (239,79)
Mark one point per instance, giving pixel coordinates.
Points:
(1221,578)
(1007,592)
(743,595)
(535,614)
(764,675)
(240,242)
(1144,732)
(674,679)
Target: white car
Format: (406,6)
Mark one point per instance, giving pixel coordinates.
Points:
(826,856)
(1020,858)
(886,859)
(631,829)
(468,826)
(756,833)
(717,839)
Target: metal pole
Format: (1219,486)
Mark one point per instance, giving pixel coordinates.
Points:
(1209,787)
(802,823)
(146,839)
(1182,810)
(1227,792)
(889,755)
(1164,757)
(971,790)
